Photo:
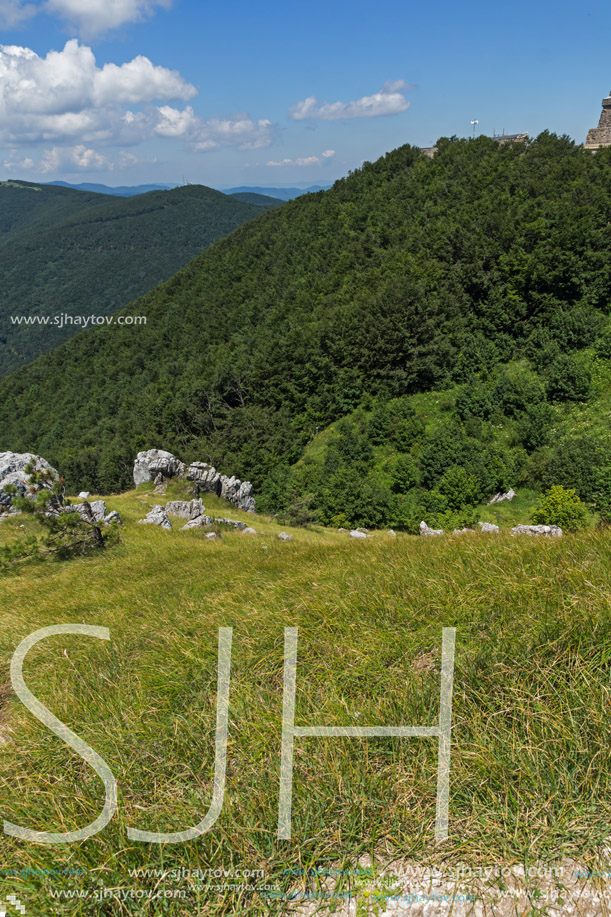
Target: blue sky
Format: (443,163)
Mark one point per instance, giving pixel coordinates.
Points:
(230,93)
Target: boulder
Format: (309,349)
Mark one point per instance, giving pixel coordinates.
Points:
(211,535)
(355,533)
(549,531)
(233,522)
(12,471)
(197,523)
(429,532)
(284,537)
(501,497)
(391,532)
(247,530)
(185,509)
(463,532)
(209,480)
(98,508)
(153,462)
(113,517)
(84,495)
(158,517)
(489,527)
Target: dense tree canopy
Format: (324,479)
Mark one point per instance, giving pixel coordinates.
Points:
(486,268)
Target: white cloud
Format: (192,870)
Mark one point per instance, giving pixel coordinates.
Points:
(94,17)
(214,133)
(303,160)
(66,100)
(14,12)
(77,158)
(390,100)
(65,94)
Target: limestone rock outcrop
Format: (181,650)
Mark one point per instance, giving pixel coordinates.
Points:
(151,464)
(12,471)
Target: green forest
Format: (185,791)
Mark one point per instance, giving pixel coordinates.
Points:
(424,334)
(64,251)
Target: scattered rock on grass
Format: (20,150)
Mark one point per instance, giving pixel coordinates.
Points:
(429,532)
(356,534)
(197,523)
(158,517)
(284,537)
(550,531)
(501,497)
(488,527)
(185,509)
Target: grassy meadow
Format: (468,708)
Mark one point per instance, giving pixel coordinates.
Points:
(530,769)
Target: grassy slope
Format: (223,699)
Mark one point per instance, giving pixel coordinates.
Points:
(82,253)
(530,771)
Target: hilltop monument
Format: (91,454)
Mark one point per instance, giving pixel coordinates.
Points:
(601,135)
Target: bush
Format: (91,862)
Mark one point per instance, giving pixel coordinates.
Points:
(561,506)
(516,388)
(460,488)
(568,380)
(405,475)
(533,426)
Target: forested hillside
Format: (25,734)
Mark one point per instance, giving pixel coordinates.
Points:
(64,251)
(481,277)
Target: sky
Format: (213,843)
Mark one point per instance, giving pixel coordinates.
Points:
(127,92)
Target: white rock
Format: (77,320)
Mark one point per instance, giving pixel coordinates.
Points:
(185,509)
(210,534)
(113,517)
(356,534)
(550,531)
(390,532)
(463,532)
(284,537)
(501,497)
(12,471)
(488,527)
(84,495)
(154,461)
(197,523)
(428,532)
(248,531)
(158,517)
(98,508)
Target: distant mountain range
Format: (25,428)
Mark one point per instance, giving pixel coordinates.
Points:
(65,251)
(283,194)
(122,191)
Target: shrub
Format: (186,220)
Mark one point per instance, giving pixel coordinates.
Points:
(405,475)
(516,388)
(561,506)
(533,426)
(568,380)
(459,488)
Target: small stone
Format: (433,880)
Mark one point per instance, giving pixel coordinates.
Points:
(113,517)
(248,531)
(210,535)
(84,495)
(197,523)
(489,527)
(428,532)
(284,537)
(158,517)
(356,534)
(391,532)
